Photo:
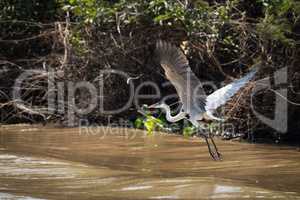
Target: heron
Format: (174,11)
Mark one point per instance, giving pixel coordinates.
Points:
(196,106)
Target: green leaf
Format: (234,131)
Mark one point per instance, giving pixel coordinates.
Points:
(188,131)
(138,123)
(152,123)
(162,18)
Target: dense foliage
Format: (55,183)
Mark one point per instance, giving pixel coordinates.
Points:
(222,40)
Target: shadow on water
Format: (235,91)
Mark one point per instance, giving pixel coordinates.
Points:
(51,163)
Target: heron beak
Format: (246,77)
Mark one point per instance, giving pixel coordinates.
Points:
(153,106)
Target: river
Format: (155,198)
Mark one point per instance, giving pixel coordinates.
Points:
(110,163)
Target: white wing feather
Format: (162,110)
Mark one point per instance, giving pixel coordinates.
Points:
(222,95)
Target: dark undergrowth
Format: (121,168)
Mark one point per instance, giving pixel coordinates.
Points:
(222,39)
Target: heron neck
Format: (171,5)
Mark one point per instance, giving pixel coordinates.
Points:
(170,118)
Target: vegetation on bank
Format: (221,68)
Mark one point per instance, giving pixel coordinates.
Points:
(78,38)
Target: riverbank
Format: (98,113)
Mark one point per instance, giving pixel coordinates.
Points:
(66,62)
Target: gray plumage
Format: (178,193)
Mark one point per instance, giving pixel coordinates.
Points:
(194,101)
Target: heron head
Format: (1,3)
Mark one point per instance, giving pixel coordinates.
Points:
(158,105)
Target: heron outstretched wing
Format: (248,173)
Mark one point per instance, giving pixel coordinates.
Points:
(178,71)
(188,86)
(222,95)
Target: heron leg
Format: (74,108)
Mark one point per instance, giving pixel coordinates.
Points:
(212,148)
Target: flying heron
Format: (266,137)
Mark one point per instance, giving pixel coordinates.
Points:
(197,107)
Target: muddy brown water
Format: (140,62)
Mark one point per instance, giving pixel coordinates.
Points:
(102,163)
